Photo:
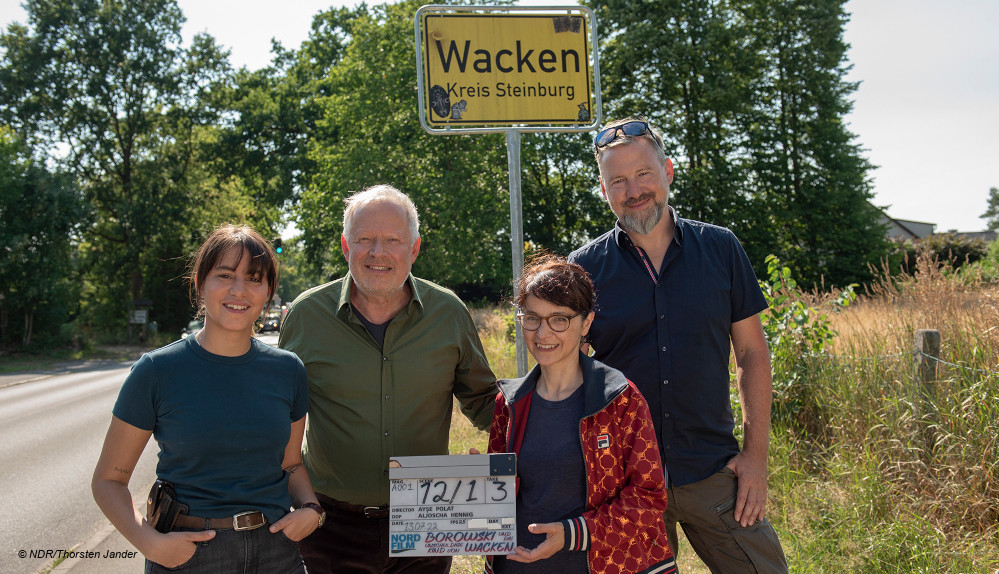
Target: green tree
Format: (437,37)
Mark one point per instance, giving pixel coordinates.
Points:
(808,174)
(261,141)
(689,67)
(296,276)
(563,207)
(39,214)
(751,96)
(991,215)
(107,87)
(367,132)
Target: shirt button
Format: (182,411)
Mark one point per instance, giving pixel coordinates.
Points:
(386,397)
(665,416)
(384,358)
(386,433)
(664,349)
(662,316)
(666,382)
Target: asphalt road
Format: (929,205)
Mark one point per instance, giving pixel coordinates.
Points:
(52,426)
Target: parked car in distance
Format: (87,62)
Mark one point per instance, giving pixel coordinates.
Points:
(272,322)
(193,327)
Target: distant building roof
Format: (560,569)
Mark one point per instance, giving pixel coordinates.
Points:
(913,230)
(906,229)
(903,228)
(988,236)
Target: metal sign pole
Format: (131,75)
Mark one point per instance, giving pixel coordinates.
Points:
(516,233)
(490,96)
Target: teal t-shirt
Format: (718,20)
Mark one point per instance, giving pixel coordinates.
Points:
(222,423)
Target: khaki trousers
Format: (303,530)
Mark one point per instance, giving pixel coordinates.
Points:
(705,510)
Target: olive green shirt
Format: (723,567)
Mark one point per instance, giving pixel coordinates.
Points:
(367,403)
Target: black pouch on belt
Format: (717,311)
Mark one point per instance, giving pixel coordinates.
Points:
(162,507)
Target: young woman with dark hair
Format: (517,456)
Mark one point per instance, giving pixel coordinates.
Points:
(228,413)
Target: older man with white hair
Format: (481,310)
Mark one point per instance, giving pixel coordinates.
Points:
(385,353)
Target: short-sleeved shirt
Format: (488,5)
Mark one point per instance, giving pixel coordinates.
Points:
(671,334)
(222,423)
(371,401)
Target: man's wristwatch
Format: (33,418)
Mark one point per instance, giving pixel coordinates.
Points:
(317,508)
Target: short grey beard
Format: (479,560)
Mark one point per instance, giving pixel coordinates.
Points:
(643,223)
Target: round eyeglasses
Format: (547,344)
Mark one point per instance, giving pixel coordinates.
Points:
(557,323)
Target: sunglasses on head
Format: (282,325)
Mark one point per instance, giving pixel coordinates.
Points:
(635,128)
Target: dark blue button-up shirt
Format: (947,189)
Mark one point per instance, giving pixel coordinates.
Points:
(670,334)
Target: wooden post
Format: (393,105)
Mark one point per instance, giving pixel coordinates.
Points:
(927,353)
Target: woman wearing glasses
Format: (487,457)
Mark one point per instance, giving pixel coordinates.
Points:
(591,488)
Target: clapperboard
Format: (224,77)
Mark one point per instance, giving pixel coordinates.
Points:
(451,505)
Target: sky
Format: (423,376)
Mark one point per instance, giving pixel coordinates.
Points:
(926,111)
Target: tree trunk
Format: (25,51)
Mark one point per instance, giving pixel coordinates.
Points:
(29,322)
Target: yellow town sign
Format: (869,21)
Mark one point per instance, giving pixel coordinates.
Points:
(495,69)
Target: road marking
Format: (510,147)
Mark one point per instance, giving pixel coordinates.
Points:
(94,541)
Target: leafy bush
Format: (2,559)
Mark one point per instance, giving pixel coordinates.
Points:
(795,328)
(947,249)
(987,268)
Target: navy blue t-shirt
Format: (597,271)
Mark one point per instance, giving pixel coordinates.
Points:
(671,334)
(552,485)
(222,423)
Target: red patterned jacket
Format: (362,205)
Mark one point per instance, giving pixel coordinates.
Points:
(622,529)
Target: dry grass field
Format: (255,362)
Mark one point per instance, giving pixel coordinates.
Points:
(875,469)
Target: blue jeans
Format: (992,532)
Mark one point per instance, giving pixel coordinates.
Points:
(254,551)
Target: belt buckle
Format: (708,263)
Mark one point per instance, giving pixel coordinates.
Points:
(237,526)
(374,511)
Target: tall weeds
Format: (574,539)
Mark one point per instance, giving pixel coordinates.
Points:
(903,476)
